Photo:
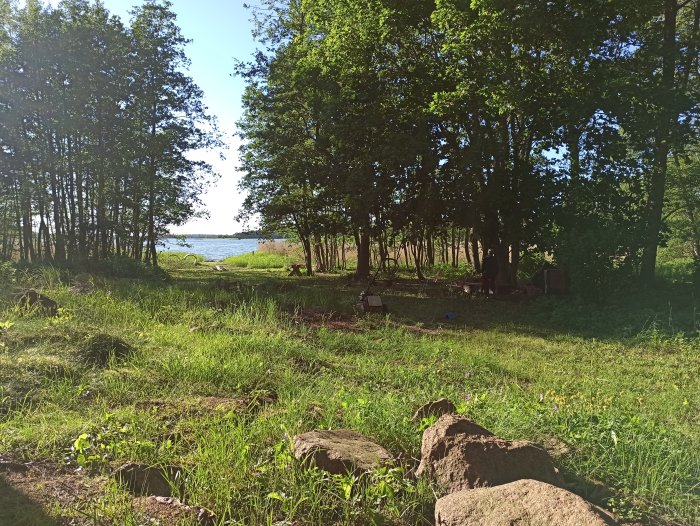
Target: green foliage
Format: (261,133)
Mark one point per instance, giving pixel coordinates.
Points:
(259,260)
(179,260)
(450,272)
(123,116)
(41,276)
(530,264)
(7,274)
(597,258)
(680,270)
(113,439)
(491,140)
(683,218)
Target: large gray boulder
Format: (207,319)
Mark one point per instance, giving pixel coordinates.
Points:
(339,451)
(525,502)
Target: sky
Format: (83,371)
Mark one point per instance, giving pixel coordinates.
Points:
(220,31)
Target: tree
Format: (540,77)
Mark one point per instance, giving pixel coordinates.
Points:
(665,65)
(170,120)
(97,124)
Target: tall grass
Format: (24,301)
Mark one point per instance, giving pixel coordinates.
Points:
(179,260)
(259,260)
(624,403)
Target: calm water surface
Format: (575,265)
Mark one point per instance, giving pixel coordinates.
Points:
(213,249)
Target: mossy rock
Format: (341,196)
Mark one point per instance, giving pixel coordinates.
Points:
(100,349)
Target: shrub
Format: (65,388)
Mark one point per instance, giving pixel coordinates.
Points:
(450,272)
(7,274)
(597,257)
(529,265)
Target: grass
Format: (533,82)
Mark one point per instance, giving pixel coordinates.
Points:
(612,385)
(259,260)
(179,260)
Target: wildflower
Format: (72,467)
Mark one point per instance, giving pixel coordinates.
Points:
(541,398)
(468,397)
(556,408)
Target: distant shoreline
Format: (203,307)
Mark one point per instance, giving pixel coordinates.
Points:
(240,235)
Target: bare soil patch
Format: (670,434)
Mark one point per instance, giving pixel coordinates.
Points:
(31,492)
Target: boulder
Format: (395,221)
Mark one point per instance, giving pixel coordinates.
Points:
(447,426)
(525,502)
(436,408)
(462,462)
(339,451)
(144,480)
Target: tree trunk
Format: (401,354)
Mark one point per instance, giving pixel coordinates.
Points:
(308,258)
(662,148)
(475,253)
(363,254)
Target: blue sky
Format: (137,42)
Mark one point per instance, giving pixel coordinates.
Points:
(220,31)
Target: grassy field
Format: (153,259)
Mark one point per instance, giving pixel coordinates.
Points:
(224,368)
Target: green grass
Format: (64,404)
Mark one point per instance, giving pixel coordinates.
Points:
(615,382)
(179,260)
(259,260)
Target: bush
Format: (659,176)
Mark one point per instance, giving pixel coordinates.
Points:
(450,272)
(7,274)
(597,258)
(530,264)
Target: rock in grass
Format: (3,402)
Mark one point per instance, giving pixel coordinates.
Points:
(35,301)
(526,502)
(462,462)
(447,426)
(144,480)
(100,349)
(436,408)
(460,454)
(340,451)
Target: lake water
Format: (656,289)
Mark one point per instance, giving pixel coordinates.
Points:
(213,249)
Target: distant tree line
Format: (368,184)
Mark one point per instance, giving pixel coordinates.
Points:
(97,120)
(430,128)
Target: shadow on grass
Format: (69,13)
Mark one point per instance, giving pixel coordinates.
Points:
(17,509)
(665,309)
